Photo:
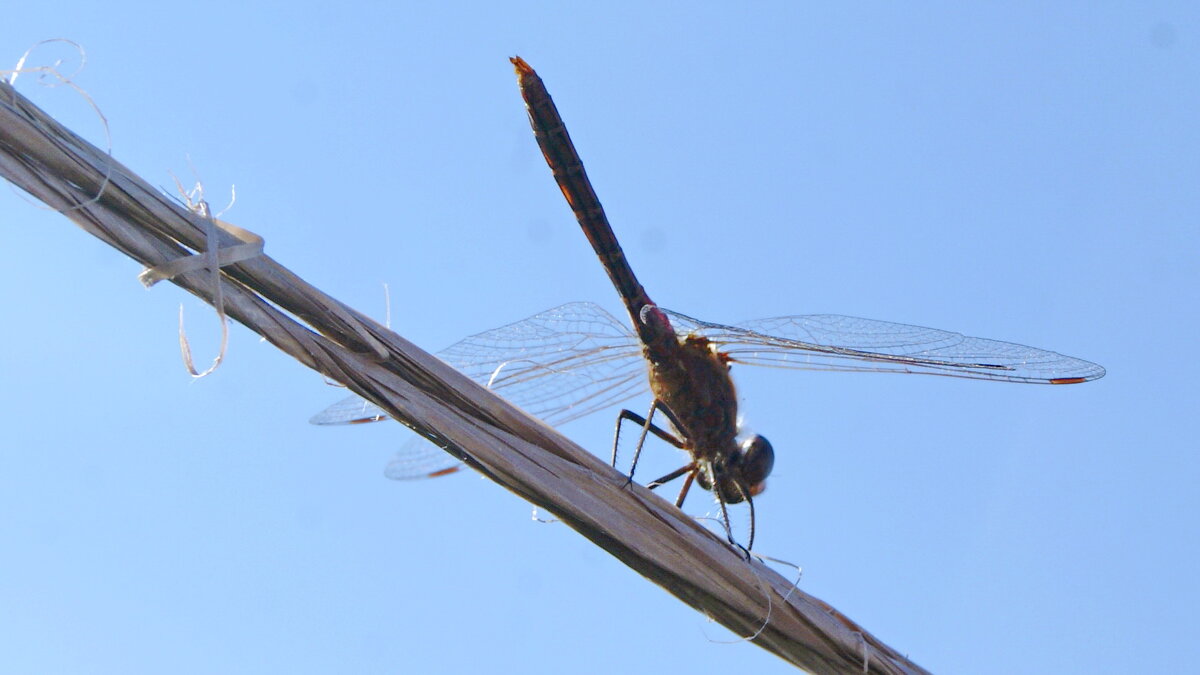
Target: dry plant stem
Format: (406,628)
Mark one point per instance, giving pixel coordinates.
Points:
(520,453)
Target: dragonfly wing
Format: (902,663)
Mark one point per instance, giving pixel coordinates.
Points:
(847,343)
(557,365)
(353,409)
(419,458)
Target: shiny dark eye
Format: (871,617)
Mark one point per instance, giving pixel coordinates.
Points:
(758,458)
(744,476)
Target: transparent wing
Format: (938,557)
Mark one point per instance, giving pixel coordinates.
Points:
(575,359)
(353,409)
(419,458)
(847,343)
(558,365)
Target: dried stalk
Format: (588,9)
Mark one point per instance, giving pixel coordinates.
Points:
(506,445)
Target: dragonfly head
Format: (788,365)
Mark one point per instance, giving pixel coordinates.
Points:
(757,458)
(744,474)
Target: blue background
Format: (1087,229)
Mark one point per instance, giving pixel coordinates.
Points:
(1021,173)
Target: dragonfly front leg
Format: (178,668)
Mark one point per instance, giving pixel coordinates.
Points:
(729,526)
(745,496)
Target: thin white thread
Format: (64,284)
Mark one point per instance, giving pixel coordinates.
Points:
(213,258)
(251,246)
(545,521)
(52,71)
(387,306)
(762,586)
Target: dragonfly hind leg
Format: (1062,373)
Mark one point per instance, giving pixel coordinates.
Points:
(647,427)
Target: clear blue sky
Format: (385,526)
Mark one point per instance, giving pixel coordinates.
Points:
(1024,173)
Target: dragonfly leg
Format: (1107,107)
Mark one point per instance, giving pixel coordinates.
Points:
(647,426)
(687,485)
(750,539)
(728,525)
(688,468)
(725,517)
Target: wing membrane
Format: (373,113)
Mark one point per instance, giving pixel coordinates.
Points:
(572,360)
(847,343)
(558,365)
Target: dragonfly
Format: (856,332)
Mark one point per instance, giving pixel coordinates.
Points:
(577,358)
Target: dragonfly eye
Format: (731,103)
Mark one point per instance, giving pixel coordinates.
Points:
(744,475)
(757,460)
